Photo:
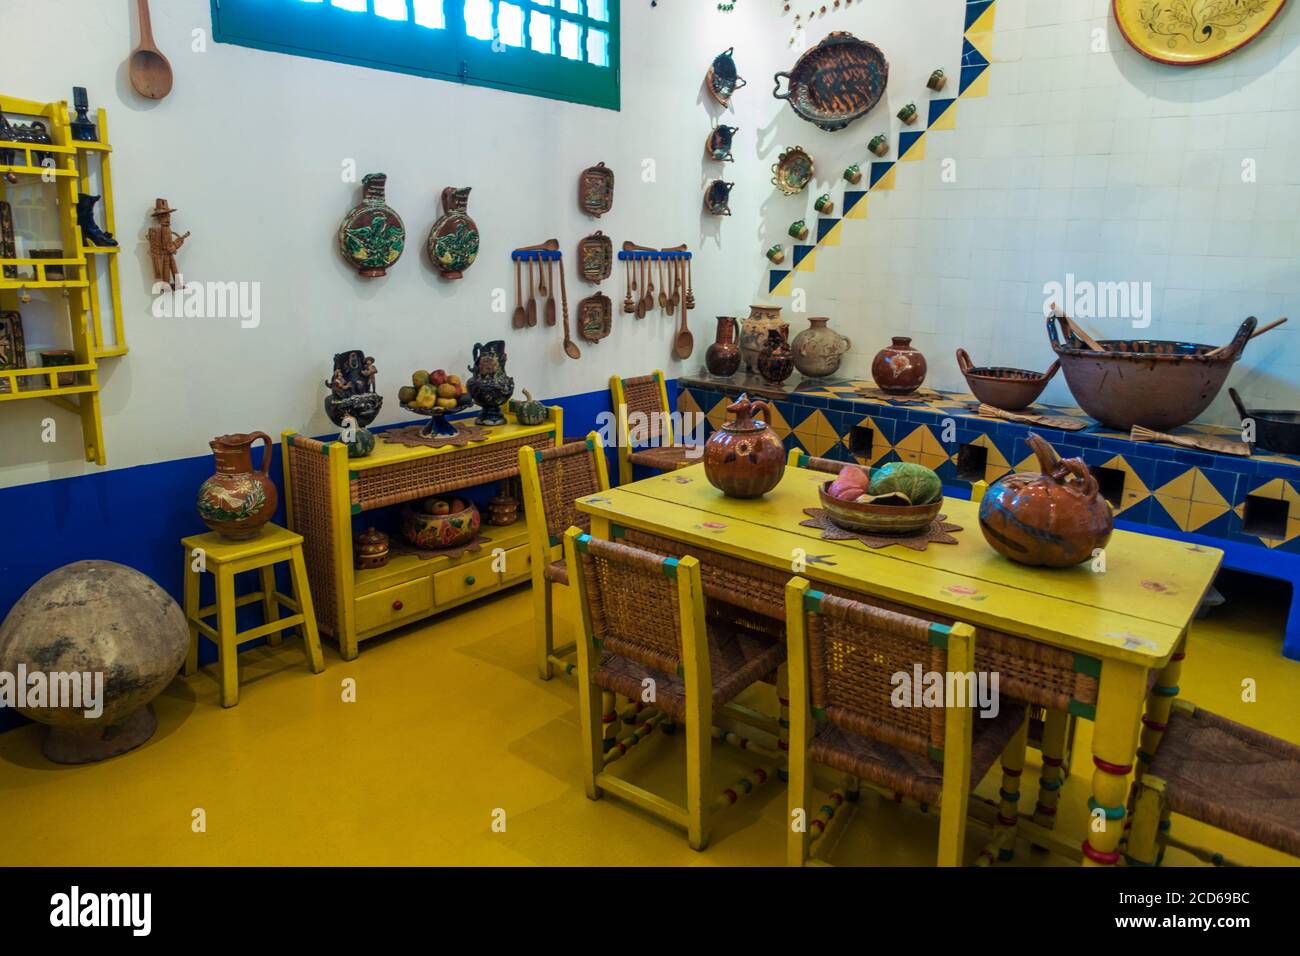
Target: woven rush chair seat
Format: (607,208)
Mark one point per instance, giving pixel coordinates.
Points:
(661,459)
(558,572)
(912,774)
(737,659)
(1231,777)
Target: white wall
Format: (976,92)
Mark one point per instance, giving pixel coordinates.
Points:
(249,148)
(1106,165)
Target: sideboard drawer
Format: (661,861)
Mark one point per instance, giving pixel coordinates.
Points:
(412,599)
(462,581)
(519,564)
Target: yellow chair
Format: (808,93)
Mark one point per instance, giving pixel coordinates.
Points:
(844,658)
(553,480)
(645,635)
(645,419)
(225,559)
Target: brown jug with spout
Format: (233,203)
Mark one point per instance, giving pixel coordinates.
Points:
(237,500)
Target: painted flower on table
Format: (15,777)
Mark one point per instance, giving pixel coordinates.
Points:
(1159,587)
(964,592)
(715,527)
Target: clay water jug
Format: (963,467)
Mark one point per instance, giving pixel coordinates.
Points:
(237,500)
(818,349)
(899,369)
(722,358)
(744,458)
(775,361)
(762,319)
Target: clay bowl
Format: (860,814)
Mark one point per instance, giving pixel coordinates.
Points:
(437,532)
(879,519)
(1159,385)
(1009,389)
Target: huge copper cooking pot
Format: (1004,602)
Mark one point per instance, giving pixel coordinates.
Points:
(1158,385)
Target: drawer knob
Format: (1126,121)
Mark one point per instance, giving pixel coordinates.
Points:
(397,605)
(469,581)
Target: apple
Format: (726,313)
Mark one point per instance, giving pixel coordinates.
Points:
(441,507)
(438,377)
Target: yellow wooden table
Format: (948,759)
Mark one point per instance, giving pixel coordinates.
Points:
(1132,617)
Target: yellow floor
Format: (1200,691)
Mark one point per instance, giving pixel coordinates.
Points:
(450,727)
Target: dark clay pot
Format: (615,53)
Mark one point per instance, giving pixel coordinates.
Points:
(1055,519)
(775,359)
(722,358)
(899,369)
(744,458)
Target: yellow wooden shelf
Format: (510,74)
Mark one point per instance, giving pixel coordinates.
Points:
(100,250)
(38,170)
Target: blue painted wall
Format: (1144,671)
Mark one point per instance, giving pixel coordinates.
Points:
(137,517)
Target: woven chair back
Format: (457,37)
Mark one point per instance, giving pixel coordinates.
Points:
(564,475)
(633,603)
(646,415)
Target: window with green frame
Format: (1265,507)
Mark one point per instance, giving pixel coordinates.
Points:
(561,49)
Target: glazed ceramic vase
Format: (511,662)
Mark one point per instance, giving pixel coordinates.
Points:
(1055,519)
(775,359)
(753,332)
(237,500)
(372,236)
(899,369)
(722,358)
(489,385)
(453,240)
(744,458)
(818,349)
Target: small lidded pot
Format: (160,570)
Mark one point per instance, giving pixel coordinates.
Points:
(744,458)
(371,549)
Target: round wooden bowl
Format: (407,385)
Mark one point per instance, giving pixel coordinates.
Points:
(879,519)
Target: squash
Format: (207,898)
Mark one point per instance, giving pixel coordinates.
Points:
(529,412)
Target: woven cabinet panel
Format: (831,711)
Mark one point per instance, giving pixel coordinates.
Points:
(309,468)
(463,468)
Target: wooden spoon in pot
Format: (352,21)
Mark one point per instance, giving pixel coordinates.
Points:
(151,73)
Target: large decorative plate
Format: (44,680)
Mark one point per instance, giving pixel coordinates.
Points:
(793,171)
(836,82)
(1188,32)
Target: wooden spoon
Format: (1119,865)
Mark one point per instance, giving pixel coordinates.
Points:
(550,299)
(570,347)
(663,285)
(151,74)
(640,302)
(1073,327)
(520,318)
(532,298)
(684,344)
(628,306)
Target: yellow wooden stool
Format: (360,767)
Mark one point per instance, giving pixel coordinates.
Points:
(225,559)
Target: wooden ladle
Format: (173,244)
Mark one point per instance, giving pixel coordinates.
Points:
(151,73)
(570,347)
(684,343)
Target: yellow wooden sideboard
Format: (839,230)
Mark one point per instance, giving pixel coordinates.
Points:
(324,489)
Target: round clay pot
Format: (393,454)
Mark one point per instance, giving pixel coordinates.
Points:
(1010,389)
(1055,519)
(818,349)
(899,369)
(775,359)
(236,501)
(753,333)
(722,358)
(744,458)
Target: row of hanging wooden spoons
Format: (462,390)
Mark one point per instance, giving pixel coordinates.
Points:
(676,292)
(545,255)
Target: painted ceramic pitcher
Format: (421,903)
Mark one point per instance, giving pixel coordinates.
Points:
(453,240)
(237,500)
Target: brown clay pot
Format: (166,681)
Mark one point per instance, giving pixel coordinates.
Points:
(899,369)
(753,333)
(1055,519)
(722,358)
(775,359)
(236,501)
(1009,389)
(744,458)
(818,349)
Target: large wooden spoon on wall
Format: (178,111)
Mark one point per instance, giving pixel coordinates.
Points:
(151,74)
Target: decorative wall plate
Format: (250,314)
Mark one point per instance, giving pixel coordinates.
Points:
(1188,32)
(792,171)
(722,79)
(596,257)
(595,317)
(718,146)
(596,190)
(836,82)
(717,198)
(454,239)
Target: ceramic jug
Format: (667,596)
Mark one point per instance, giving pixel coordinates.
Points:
(237,500)
(818,349)
(744,458)
(453,240)
(372,236)
(754,331)
(722,358)
(899,369)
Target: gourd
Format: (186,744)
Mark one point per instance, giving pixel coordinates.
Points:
(920,484)
(529,412)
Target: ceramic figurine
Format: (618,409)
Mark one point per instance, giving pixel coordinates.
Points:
(908,114)
(937,81)
(163,243)
(899,369)
(717,198)
(824,204)
(90,231)
(775,361)
(370,549)
(744,458)
(453,240)
(82,127)
(718,146)
(754,331)
(818,350)
(352,390)
(853,174)
(798,230)
(879,144)
(596,190)
(777,254)
(490,386)
(1056,519)
(722,358)
(236,501)
(372,236)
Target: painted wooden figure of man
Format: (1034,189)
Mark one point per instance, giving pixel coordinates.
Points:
(164,244)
